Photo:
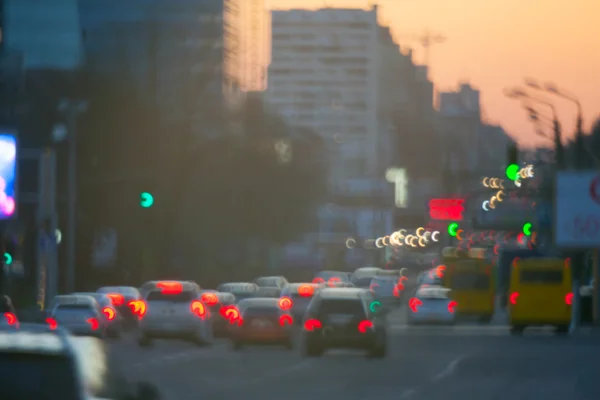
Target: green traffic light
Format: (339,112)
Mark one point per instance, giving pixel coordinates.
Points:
(146,200)
(374,306)
(7,259)
(527,229)
(452,229)
(512,172)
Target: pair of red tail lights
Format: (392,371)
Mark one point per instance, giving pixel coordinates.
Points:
(414,304)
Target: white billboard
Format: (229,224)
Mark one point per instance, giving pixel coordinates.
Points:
(577,210)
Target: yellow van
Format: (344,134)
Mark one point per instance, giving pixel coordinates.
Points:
(471,281)
(540,294)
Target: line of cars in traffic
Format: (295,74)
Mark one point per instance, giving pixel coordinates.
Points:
(265,311)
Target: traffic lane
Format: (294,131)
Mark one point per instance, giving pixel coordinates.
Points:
(521,368)
(256,372)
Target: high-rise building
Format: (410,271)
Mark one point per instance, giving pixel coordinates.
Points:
(45,33)
(324,76)
(182,48)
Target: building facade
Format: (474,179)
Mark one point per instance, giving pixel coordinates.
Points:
(335,72)
(45,33)
(186,50)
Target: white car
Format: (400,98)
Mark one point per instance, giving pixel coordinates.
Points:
(431,304)
(81,315)
(174,309)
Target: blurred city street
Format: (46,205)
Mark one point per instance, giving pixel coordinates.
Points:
(429,363)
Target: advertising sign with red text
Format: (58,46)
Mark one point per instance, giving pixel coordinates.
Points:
(577,210)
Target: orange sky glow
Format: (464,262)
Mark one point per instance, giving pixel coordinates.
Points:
(495,44)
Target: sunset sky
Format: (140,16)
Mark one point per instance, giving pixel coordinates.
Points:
(495,44)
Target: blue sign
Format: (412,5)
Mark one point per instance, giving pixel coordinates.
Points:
(8,176)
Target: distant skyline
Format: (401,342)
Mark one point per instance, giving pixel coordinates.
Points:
(494,44)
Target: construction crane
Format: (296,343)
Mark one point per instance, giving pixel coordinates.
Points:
(426,40)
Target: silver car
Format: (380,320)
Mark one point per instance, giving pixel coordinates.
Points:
(431,304)
(81,315)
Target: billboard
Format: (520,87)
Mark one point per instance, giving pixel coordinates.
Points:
(8,176)
(577,210)
(446,209)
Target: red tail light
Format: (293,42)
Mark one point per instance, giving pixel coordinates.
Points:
(312,324)
(319,281)
(109,312)
(373,287)
(332,282)
(210,299)
(285,303)
(117,299)
(93,323)
(52,324)
(231,313)
(451,306)
(398,288)
(138,307)
(569,299)
(513,298)
(11,318)
(414,303)
(365,325)
(286,320)
(198,308)
(306,290)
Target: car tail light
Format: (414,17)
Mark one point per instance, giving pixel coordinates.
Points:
(398,288)
(285,303)
(93,323)
(414,303)
(11,318)
(332,282)
(138,307)
(365,325)
(319,281)
(513,298)
(451,306)
(109,312)
(52,324)
(170,287)
(312,324)
(306,290)
(117,299)
(286,320)
(210,299)
(569,299)
(198,308)
(230,312)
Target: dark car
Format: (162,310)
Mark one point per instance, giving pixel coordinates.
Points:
(343,318)
(262,322)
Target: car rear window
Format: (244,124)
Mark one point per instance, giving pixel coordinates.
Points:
(52,375)
(267,282)
(339,306)
(541,276)
(183,297)
(363,282)
(470,280)
(73,307)
(261,312)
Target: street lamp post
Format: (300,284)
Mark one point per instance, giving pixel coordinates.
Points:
(71,109)
(517,93)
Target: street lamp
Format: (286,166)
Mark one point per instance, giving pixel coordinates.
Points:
(518,93)
(71,109)
(553,89)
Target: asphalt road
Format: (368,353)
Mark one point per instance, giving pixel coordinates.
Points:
(424,363)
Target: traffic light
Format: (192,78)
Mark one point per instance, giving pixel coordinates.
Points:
(146,199)
(512,169)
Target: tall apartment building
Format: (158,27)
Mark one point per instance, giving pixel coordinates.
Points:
(324,76)
(337,72)
(45,33)
(167,45)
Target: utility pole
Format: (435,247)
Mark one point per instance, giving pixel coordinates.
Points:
(72,109)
